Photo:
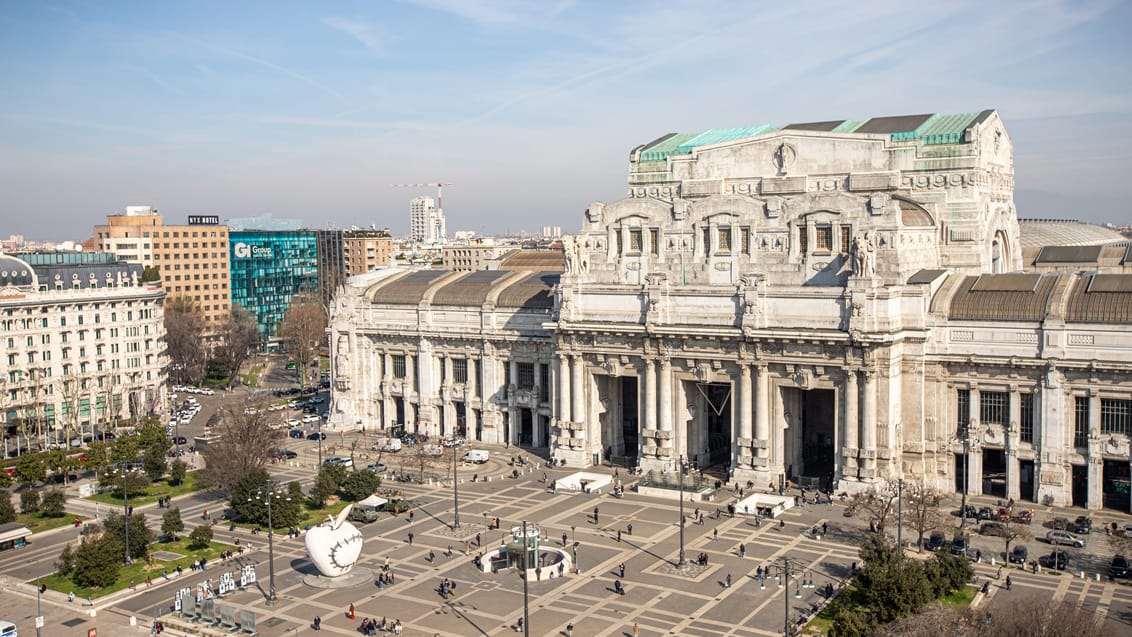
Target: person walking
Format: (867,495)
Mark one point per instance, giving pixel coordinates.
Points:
(569,630)
(618,535)
(595,515)
(410,516)
(715,535)
(410,538)
(317,623)
(621,570)
(728,584)
(350,613)
(564,538)
(636,630)
(742,550)
(1009,583)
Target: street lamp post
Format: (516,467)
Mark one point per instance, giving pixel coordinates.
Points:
(681,562)
(38,614)
(784,571)
(123,467)
(269,498)
(966,459)
(526,568)
(455,490)
(320,443)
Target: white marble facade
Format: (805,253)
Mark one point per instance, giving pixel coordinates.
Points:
(797,303)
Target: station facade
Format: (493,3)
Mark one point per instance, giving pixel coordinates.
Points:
(833,303)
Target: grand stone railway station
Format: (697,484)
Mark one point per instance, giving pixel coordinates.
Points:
(833,303)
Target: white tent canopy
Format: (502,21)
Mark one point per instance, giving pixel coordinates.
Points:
(373,501)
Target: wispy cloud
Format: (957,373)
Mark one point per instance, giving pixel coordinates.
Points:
(166,135)
(496,12)
(278,68)
(348,123)
(372,35)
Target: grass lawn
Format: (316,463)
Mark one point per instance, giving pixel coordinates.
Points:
(961,597)
(38,523)
(138,571)
(823,622)
(155,491)
(312,517)
(251,379)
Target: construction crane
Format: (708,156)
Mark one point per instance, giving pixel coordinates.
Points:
(439,191)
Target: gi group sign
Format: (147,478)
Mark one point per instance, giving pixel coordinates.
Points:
(245,251)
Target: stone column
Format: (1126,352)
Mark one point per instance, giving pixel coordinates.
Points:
(650,395)
(850,424)
(578,390)
(869,426)
(1095,495)
(743,446)
(974,449)
(762,416)
(1012,440)
(665,418)
(564,388)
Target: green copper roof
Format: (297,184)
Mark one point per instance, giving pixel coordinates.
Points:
(717,135)
(928,128)
(661,150)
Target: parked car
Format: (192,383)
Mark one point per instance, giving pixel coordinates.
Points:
(1060,524)
(296,433)
(180,440)
(1119,568)
(452,441)
(363,513)
(959,544)
(1065,537)
(1003,514)
(1057,560)
(315,435)
(986,513)
(1019,554)
(341,460)
(1083,525)
(285,454)
(968,512)
(1024,516)
(377,467)
(433,450)
(993,528)
(936,541)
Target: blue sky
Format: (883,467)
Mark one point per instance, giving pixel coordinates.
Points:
(528,107)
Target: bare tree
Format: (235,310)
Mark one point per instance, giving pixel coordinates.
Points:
(1028,616)
(424,457)
(875,504)
(238,336)
(245,443)
(303,327)
(184,339)
(923,509)
(1014,531)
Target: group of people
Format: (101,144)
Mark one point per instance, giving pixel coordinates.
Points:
(446,586)
(164,503)
(371,626)
(385,579)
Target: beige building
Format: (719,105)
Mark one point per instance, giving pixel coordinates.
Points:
(192,259)
(365,250)
(474,255)
(834,303)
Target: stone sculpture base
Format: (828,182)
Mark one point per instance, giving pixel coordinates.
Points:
(353,579)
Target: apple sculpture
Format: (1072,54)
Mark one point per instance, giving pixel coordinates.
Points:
(335,545)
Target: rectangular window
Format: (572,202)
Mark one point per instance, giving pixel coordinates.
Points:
(823,238)
(1026,418)
(654,240)
(1080,421)
(544,383)
(398,365)
(845,239)
(962,411)
(707,240)
(745,241)
(803,240)
(526,373)
(635,240)
(1116,416)
(724,240)
(994,408)
(478,373)
(460,370)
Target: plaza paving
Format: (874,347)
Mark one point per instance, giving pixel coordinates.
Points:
(660,599)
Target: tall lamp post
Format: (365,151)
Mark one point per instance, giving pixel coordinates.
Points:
(966,433)
(123,468)
(526,568)
(455,490)
(681,562)
(38,613)
(268,497)
(784,571)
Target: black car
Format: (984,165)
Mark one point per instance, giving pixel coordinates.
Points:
(180,440)
(968,512)
(1119,568)
(296,433)
(314,435)
(286,454)
(1083,524)
(1060,524)
(1019,555)
(1058,560)
(986,513)
(959,545)
(936,542)
(993,528)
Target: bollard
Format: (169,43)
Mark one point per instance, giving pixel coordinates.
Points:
(1082,573)
(1098,577)
(992,560)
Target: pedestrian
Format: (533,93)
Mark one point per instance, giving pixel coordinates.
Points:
(715,535)
(728,584)
(595,515)
(742,550)
(564,538)
(636,630)
(350,613)
(824,528)
(410,516)
(478,540)
(569,630)
(621,570)
(385,566)
(317,623)
(629,528)
(410,538)
(71,596)
(618,535)
(467,547)
(1009,584)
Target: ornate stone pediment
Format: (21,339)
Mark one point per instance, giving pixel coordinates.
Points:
(1116,446)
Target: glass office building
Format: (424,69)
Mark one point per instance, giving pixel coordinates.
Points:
(269,268)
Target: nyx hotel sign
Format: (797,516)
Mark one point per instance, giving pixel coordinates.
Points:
(204,220)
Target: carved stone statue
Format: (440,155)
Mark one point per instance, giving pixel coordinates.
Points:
(570,253)
(863,256)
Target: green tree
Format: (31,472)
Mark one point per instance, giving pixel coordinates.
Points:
(5,480)
(177,471)
(54,500)
(151,435)
(326,484)
(150,274)
(7,511)
(201,536)
(29,501)
(153,460)
(359,485)
(851,622)
(31,468)
(244,496)
(140,533)
(135,483)
(97,455)
(171,523)
(125,449)
(66,562)
(96,561)
(289,510)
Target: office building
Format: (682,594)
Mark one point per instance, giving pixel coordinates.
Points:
(269,268)
(426,221)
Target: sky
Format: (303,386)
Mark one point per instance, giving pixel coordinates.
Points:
(528,108)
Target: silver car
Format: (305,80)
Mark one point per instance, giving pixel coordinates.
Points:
(1066,538)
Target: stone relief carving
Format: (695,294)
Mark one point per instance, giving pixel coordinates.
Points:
(784,157)
(595,212)
(878,201)
(774,207)
(863,254)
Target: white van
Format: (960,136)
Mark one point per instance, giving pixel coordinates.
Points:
(345,461)
(7,629)
(392,444)
(478,456)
